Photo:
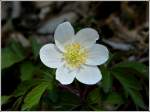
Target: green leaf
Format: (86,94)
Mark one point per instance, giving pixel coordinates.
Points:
(127,80)
(27,70)
(139,67)
(33,97)
(95,99)
(114,98)
(137,98)
(4,99)
(25,86)
(130,86)
(113,101)
(106,80)
(12,54)
(96,108)
(48,73)
(17,104)
(94,96)
(35,47)
(18,48)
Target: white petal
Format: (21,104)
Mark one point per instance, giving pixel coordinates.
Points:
(50,56)
(63,35)
(97,55)
(87,37)
(89,75)
(64,75)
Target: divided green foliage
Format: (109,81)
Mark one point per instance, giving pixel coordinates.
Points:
(48,73)
(95,100)
(29,93)
(137,98)
(12,54)
(4,99)
(131,86)
(94,96)
(17,104)
(27,71)
(34,96)
(24,87)
(134,66)
(99,101)
(106,79)
(113,100)
(129,80)
(35,47)
(96,108)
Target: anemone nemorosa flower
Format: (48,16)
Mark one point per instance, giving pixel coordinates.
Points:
(75,55)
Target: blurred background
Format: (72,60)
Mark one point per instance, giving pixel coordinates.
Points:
(26,26)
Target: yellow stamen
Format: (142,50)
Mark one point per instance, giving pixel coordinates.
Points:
(75,55)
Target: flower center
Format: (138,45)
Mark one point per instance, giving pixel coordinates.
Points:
(75,55)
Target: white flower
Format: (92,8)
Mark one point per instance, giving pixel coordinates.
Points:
(75,55)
